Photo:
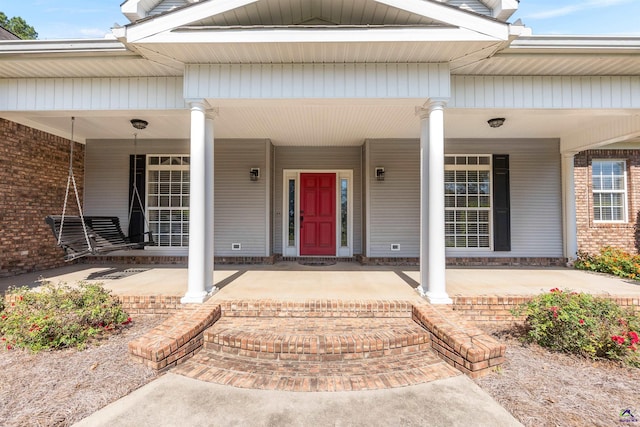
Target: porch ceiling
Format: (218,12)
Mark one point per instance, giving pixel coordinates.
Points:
(318,123)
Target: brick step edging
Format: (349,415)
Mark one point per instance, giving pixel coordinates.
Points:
(176,339)
(309,376)
(467,348)
(180,337)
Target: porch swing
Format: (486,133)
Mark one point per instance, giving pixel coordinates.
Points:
(82,235)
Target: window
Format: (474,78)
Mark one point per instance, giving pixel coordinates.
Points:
(292,212)
(168,199)
(467,188)
(609,178)
(344,212)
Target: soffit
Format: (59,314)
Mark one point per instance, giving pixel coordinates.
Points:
(554,65)
(561,56)
(301,12)
(287,12)
(83,67)
(303,123)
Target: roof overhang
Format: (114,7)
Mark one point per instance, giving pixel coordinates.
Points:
(561,55)
(443,14)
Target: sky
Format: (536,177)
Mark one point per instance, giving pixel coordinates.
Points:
(70,19)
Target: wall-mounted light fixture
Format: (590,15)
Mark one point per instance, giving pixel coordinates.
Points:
(380,173)
(496,122)
(139,124)
(254,174)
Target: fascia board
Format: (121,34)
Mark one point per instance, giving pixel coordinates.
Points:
(575,42)
(137,9)
(100,46)
(505,9)
(501,9)
(452,16)
(319,36)
(181,17)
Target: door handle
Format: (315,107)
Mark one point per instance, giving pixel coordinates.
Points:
(301,220)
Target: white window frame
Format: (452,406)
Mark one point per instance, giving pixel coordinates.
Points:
(149,168)
(624,192)
(289,174)
(467,167)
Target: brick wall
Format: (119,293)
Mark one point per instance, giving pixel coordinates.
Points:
(593,236)
(33,178)
(496,310)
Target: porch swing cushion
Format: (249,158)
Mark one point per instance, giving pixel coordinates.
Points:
(104,232)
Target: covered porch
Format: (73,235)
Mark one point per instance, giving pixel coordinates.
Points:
(291,281)
(448,137)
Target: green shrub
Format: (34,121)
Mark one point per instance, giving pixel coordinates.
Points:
(582,324)
(58,316)
(612,261)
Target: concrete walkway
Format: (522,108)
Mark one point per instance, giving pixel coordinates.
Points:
(174,400)
(291,281)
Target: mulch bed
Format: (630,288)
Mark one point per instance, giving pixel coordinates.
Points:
(538,387)
(542,388)
(59,388)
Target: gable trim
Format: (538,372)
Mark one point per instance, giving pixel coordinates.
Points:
(181,17)
(452,16)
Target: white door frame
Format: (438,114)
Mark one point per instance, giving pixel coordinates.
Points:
(341,174)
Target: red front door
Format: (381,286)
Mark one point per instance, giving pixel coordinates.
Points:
(318,214)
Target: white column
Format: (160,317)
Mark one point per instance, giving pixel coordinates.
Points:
(209,200)
(569,207)
(197,274)
(432,244)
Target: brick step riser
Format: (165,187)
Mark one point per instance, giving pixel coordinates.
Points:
(316,357)
(319,344)
(317,309)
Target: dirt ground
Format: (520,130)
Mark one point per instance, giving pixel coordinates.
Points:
(538,387)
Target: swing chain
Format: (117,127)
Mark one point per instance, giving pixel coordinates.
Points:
(71,179)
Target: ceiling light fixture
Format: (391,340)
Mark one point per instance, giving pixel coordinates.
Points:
(139,123)
(496,122)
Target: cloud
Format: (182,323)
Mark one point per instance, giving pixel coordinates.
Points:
(567,10)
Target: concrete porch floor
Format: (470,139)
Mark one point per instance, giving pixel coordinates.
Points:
(292,281)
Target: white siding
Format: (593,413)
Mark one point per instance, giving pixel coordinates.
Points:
(536,209)
(536,204)
(240,204)
(118,93)
(394,215)
(544,92)
(107,173)
(318,158)
(285,81)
